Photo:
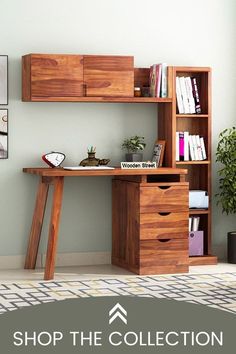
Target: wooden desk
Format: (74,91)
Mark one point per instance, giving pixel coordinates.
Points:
(55,178)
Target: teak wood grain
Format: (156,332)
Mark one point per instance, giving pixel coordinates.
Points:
(36,227)
(162,225)
(148,243)
(170,199)
(57,172)
(52,76)
(109,76)
(54,227)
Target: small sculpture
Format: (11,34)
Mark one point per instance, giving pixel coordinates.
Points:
(91,160)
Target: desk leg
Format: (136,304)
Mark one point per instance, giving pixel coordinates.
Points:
(36,226)
(54,227)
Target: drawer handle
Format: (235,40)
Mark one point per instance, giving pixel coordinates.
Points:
(164,214)
(164,240)
(164,187)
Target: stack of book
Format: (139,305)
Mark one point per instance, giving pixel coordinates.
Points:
(190,147)
(187,94)
(158,80)
(194,223)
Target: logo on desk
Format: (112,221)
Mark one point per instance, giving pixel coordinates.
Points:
(136,165)
(116,312)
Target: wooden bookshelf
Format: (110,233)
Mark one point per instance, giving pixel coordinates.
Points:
(76,83)
(199,172)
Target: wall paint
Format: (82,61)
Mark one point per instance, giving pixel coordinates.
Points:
(177,32)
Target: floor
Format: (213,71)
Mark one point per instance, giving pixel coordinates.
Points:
(98,271)
(213,286)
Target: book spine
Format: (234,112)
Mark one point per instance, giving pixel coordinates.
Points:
(177,146)
(199,149)
(158,80)
(191,150)
(196,95)
(181,146)
(190,224)
(186,146)
(179,97)
(195,223)
(163,80)
(152,80)
(184,94)
(194,138)
(203,148)
(190,94)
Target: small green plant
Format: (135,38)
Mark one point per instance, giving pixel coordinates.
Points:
(226,155)
(134,144)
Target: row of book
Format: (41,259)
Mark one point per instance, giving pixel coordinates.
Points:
(158,80)
(194,222)
(187,95)
(190,147)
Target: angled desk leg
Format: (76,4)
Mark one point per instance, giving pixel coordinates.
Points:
(37,223)
(58,183)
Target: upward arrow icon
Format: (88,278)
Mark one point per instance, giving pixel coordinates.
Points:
(118,311)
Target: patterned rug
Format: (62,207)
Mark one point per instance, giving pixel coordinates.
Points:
(214,290)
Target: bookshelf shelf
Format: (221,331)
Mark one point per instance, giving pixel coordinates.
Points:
(191,115)
(103,99)
(207,259)
(200,162)
(199,211)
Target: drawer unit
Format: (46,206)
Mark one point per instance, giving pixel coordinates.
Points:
(163,225)
(164,256)
(164,198)
(150,227)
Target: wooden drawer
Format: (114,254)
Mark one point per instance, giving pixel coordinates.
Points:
(164,256)
(164,225)
(164,198)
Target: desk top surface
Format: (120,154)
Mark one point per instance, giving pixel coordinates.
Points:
(60,172)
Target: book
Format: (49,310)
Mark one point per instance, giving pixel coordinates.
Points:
(186,146)
(191,148)
(195,223)
(181,146)
(155,80)
(163,90)
(177,146)
(152,80)
(189,90)
(196,95)
(184,94)
(179,97)
(199,149)
(203,148)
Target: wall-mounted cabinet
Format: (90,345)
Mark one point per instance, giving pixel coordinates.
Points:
(52,77)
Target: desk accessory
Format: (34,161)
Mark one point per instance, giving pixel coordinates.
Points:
(138,165)
(158,152)
(54,159)
(133,145)
(91,160)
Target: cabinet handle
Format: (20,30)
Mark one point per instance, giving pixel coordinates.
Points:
(164,187)
(164,239)
(164,214)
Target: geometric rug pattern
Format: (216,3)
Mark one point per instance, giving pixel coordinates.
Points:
(213,290)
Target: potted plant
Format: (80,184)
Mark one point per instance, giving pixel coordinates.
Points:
(226,155)
(132,145)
